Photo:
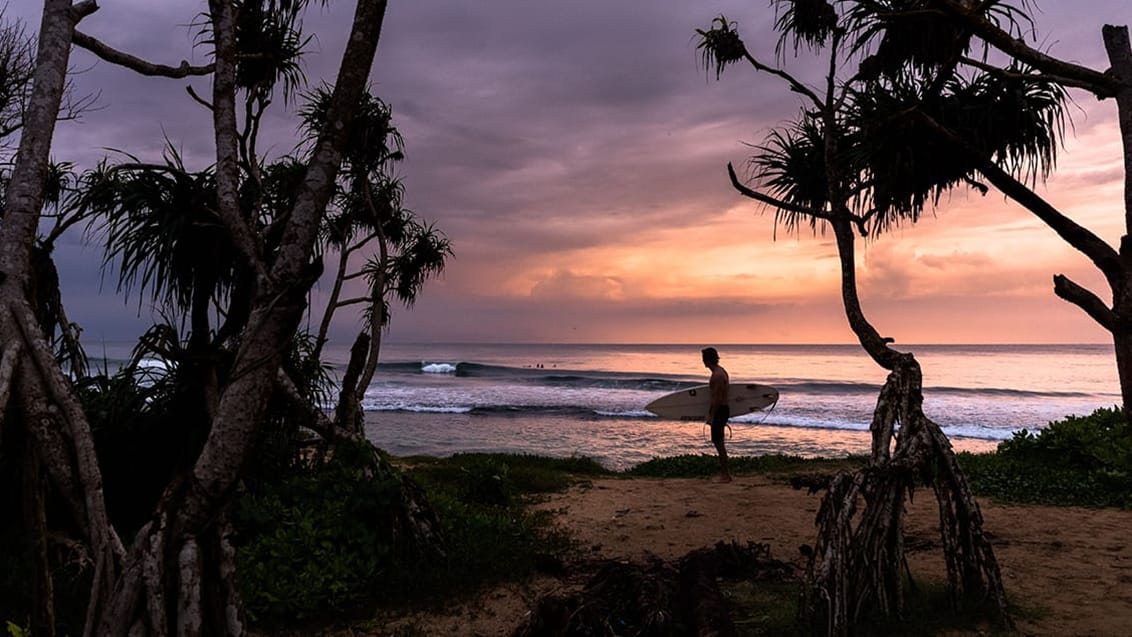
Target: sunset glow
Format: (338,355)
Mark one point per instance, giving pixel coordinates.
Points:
(579,168)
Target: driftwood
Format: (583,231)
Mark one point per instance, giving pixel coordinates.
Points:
(656,597)
(859,561)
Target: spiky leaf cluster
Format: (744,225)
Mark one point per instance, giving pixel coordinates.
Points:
(889,161)
(1013,121)
(160,229)
(808,22)
(791,165)
(720,45)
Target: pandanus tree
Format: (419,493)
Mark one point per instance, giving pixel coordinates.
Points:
(1029,70)
(176,573)
(368,217)
(859,160)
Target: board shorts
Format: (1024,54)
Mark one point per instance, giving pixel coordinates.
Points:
(719,423)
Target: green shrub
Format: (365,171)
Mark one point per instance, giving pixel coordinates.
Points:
(1097,441)
(1081,460)
(314,541)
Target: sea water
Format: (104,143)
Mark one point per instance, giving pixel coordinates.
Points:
(562,400)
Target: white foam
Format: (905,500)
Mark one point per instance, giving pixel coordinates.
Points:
(438,368)
(153,363)
(424,409)
(985,433)
(149,369)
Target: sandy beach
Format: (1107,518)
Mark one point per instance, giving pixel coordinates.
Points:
(1069,568)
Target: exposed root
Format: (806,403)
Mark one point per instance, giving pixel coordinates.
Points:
(859,560)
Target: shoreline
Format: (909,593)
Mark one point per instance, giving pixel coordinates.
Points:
(614,443)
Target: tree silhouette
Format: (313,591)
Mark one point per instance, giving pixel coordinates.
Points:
(369,216)
(175,573)
(862,157)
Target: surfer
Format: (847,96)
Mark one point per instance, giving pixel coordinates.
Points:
(718,410)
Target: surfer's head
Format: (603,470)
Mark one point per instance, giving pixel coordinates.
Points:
(711,357)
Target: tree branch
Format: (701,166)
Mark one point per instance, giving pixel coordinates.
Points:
(317,420)
(1119,51)
(1087,301)
(353,301)
(82,9)
(1040,78)
(197,98)
(771,201)
(1102,85)
(225,137)
(137,64)
(795,85)
(364,242)
(1082,239)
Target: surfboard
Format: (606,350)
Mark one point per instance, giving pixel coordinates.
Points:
(692,403)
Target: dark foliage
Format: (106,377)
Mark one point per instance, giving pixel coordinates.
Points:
(806,22)
(317,540)
(720,45)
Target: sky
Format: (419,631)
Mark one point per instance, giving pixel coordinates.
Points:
(575,155)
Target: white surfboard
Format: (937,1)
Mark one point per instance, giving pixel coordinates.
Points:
(692,403)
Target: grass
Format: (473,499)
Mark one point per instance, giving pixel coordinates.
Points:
(763,608)
(707,465)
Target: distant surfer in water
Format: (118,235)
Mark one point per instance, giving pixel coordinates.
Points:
(718,410)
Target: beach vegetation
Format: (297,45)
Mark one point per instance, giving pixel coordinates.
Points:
(318,544)
(1077,461)
(227,255)
(315,542)
(496,478)
(706,466)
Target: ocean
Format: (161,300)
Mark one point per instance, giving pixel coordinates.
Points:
(562,400)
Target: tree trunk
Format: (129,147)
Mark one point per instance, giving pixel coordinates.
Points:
(377,316)
(1119,51)
(1122,346)
(348,414)
(184,531)
(43,595)
(858,565)
(46,400)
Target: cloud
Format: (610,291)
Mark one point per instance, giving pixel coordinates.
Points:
(566,285)
(954,260)
(575,154)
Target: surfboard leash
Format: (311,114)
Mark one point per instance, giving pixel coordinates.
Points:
(731,432)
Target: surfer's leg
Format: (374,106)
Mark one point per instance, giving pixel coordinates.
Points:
(717,439)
